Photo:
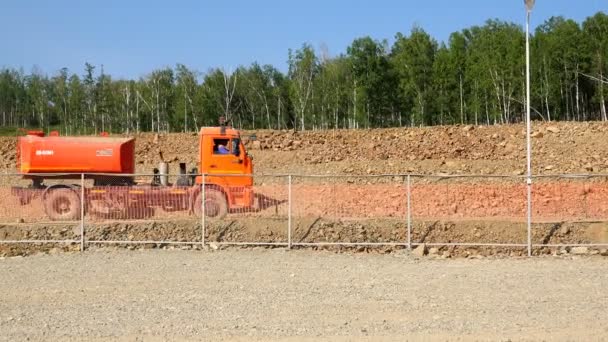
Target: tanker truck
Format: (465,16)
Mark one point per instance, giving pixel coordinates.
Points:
(109,163)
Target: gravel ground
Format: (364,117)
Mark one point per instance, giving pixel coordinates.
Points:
(261,294)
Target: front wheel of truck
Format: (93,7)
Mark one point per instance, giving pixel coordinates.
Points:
(216,205)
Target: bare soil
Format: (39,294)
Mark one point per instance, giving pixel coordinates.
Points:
(351,208)
(307,230)
(557,148)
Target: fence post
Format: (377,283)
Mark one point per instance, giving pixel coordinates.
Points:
(82,204)
(289,212)
(529,188)
(203,199)
(409,212)
(586,189)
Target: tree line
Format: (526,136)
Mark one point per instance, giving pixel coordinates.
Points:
(476,77)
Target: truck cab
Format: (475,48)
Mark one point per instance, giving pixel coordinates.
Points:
(227,168)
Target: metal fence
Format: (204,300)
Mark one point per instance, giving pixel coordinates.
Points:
(306,210)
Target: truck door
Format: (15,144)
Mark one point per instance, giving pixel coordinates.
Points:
(226,164)
(227,158)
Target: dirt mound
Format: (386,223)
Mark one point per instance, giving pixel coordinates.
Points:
(557,148)
(150,149)
(8,158)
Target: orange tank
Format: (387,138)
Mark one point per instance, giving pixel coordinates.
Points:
(54,154)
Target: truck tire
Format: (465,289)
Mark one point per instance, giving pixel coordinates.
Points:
(215,204)
(62,204)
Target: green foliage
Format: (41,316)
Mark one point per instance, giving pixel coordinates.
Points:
(476,77)
(303,69)
(373,83)
(413,59)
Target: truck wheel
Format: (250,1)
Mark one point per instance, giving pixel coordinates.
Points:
(62,204)
(215,204)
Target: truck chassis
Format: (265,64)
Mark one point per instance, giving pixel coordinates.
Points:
(62,202)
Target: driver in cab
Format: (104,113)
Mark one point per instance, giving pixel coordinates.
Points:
(221,149)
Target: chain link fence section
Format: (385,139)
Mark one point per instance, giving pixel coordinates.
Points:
(560,199)
(349,210)
(255,214)
(570,211)
(570,198)
(39,198)
(40,208)
(387,210)
(141,209)
(596,198)
(482,211)
(137,197)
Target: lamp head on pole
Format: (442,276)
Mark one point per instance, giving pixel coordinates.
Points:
(529,4)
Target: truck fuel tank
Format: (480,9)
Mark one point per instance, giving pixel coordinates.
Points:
(54,154)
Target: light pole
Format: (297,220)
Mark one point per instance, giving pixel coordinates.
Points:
(529,6)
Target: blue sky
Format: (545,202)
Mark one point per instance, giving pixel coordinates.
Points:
(131,38)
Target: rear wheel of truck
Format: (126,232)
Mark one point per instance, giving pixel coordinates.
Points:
(215,204)
(62,204)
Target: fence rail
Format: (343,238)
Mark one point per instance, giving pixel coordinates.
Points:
(396,210)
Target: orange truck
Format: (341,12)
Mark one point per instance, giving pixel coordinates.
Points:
(110,163)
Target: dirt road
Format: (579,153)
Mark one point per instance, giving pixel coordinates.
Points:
(272,294)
